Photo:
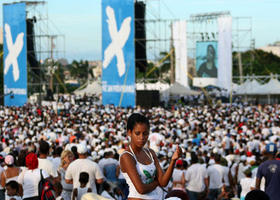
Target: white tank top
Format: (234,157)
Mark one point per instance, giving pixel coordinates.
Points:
(81,192)
(14,178)
(147,174)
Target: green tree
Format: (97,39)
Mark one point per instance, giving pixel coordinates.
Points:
(80,70)
(256,62)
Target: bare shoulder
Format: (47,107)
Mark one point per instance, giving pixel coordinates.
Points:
(126,160)
(152,152)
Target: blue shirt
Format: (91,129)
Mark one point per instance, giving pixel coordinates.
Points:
(270,170)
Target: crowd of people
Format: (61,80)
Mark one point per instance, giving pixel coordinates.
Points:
(228,151)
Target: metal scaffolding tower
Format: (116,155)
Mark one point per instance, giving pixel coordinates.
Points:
(48,48)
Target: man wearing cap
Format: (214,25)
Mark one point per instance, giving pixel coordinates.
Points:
(82,164)
(270,170)
(110,167)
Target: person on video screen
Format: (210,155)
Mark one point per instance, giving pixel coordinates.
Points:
(208,68)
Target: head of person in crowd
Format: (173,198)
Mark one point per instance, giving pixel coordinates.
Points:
(21,158)
(9,160)
(83,179)
(217,158)
(58,188)
(179,164)
(256,195)
(74,150)
(44,149)
(57,151)
(177,194)
(12,188)
(31,161)
(82,151)
(271,150)
(248,173)
(138,123)
(136,118)
(194,158)
(185,164)
(66,158)
(106,186)
(2,159)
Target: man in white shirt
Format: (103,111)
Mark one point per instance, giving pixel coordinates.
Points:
(44,163)
(216,178)
(196,177)
(110,167)
(82,164)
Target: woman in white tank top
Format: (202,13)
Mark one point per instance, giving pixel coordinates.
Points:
(10,174)
(140,165)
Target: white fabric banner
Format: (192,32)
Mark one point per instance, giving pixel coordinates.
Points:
(179,33)
(225,52)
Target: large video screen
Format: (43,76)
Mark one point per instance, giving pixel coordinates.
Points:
(207,59)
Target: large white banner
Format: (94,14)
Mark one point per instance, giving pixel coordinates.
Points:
(179,33)
(225,52)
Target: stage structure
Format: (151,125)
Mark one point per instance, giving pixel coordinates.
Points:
(203,32)
(158,44)
(152,44)
(45,45)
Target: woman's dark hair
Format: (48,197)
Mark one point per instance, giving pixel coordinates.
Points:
(21,158)
(136,118)
(13,185)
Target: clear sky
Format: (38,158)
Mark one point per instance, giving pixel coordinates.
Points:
(80,20)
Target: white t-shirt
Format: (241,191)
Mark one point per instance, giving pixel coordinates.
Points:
(48,166)
(84,165)
(56,162)
(29,179)
(195,176)
(177,176)
(106,195)
(215,173)
(107,161)
(246,184)
(225,175)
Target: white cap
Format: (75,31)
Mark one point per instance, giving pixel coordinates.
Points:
(243,158)
(81,149)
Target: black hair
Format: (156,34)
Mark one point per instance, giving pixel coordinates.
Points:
(75,151)
(217,158)
(44,147)
(13,185)
(57,151)
(84,177)
(58,187)
(194,158)
(136,118)
(178,193)
(21,158)
(256,195)
(106,186)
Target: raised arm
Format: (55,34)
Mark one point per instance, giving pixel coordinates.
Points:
(128,165)
(163,178)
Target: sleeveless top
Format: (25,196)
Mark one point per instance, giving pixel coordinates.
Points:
(81,192)
(147,174)
(14,178)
